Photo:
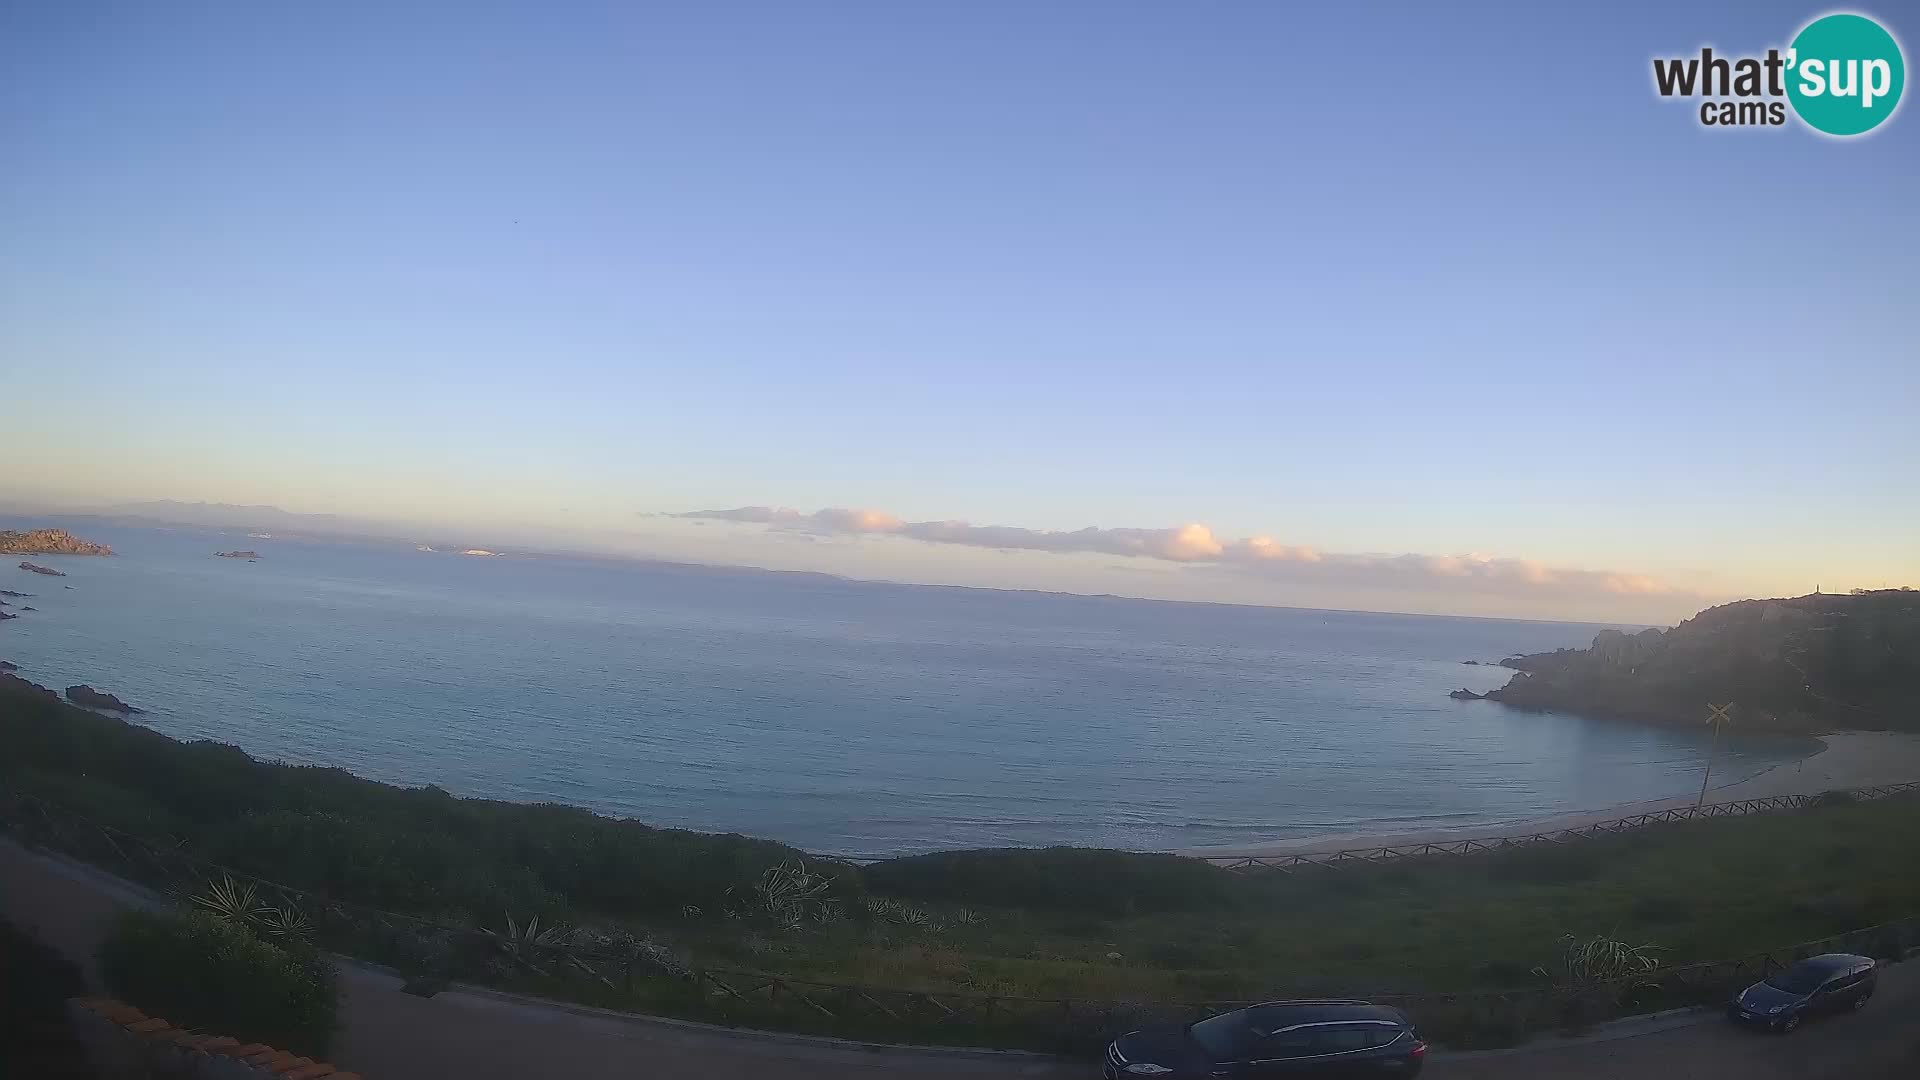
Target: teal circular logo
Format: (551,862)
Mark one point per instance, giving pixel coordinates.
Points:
(1845,74)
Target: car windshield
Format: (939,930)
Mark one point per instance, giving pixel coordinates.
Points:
(1225,1037)
(1799,979)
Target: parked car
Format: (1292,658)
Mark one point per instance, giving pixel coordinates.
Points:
(1830,982)
(1294,1039)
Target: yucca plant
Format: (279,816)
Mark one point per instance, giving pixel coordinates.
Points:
(790,895)
(287,925)
(234,901)
(239,902)
(524,943)
(1603,958)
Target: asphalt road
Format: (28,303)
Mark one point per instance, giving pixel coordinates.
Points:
(478,1034)
(1881,1042)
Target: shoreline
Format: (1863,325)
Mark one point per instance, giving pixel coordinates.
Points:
(1845,759)
(1841,759)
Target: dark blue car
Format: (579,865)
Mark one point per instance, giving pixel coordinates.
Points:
(1292,1039)
(1830,982)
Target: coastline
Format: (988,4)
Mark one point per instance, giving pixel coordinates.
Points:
(1846,759)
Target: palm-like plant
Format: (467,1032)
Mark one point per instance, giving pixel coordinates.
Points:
(239,902)
(525,943)
(1604,958)
(791,894)
(232,900)
(286,924)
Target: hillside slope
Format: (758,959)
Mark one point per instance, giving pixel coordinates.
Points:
(1807,663)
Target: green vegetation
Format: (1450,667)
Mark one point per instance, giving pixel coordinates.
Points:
(1057,923)
(1808,663)
(415,850)
(213,974)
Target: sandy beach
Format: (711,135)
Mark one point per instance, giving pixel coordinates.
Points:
(1847,759)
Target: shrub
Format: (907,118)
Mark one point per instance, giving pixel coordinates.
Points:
(204,972)
(1603,958)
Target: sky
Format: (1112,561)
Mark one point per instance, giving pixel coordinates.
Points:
(1397,307)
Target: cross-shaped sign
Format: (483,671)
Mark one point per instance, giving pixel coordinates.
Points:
(1719,716)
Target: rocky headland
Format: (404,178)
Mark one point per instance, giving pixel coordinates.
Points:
(97,699)
(1801,664)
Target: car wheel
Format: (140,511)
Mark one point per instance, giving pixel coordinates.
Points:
(1861,1002)
(1788,1025)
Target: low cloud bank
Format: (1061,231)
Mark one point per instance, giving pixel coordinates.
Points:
(1197,544)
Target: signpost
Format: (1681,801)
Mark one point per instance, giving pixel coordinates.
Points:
(1719,716)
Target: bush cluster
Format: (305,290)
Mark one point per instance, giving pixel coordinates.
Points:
(203,972)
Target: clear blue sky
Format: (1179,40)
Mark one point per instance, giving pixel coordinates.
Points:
(1432,279)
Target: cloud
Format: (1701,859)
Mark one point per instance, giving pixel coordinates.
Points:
(1195,543)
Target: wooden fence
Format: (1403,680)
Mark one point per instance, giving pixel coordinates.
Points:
(1384,853)
(622,972)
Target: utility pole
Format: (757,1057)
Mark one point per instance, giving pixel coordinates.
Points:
(1719,716)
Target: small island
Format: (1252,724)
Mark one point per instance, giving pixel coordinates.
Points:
(35,568)
(49,542)
(237,554)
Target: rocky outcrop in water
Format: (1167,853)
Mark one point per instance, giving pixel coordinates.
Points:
(1463,694)
(10,681)
(37,569)
(1804,663)
(49,542)
(97,699)
(15,595)
(237,554)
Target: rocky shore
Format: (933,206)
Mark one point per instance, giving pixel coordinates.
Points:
(87,696)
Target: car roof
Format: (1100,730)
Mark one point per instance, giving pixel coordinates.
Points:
(1832,962)
(1272,1016)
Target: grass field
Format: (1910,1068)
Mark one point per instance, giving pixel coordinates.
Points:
(1084,924)
(1700,890)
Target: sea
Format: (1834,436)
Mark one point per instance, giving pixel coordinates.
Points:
(850,718)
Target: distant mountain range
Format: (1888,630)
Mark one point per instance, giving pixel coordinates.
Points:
(231,516)
(1806,663)
(273,523)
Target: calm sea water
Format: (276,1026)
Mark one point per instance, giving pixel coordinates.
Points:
(844,717)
